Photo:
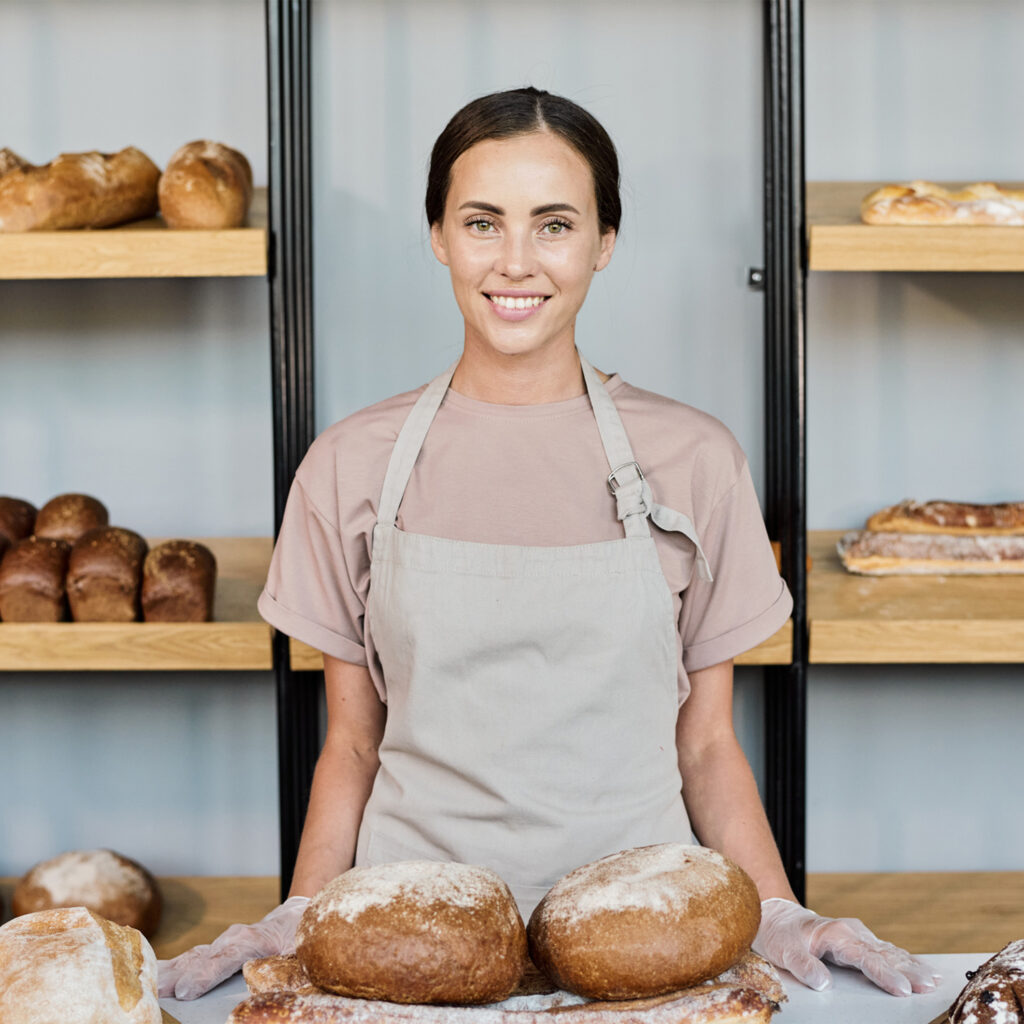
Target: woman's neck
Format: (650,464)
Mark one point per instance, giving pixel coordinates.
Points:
(529,379)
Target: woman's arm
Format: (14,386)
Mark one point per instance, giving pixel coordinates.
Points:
(718,786)
(343,778)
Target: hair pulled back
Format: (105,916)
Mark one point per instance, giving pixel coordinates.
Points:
(503,115)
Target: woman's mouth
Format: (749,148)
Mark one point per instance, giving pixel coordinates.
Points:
(516,307)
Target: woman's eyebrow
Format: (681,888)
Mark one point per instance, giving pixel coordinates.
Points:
(537,211)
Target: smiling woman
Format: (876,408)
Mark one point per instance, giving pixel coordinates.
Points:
(528,580)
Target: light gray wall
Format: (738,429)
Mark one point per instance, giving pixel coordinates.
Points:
(155,395)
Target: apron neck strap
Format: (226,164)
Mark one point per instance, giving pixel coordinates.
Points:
(625,481)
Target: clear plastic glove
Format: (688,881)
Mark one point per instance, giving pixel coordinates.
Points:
(799,940)
(199,969)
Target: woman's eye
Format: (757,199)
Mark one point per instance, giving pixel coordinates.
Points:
(483,226)
(556,227)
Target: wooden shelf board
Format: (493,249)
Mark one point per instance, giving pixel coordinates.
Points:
(914,619)
(237,639)
(928,912)
(776,650)
(143,248)
(839,240)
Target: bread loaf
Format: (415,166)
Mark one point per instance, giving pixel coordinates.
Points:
(10,161)
(105,575)
(950,517)
(68,516)
(205,185)
(178,581)
(937,554)
(108,883)
(414,932)
(925,203)
(32,575)
(71,966)
(644,922)
(994,994)
(17,519)
(79,190)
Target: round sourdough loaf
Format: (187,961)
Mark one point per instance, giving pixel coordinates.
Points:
(115,887)
(414,932)
(72,966)
(644,922)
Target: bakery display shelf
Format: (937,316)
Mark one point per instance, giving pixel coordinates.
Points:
(910,619)
(237,639)
(776,650)
(142,248)
(839,240)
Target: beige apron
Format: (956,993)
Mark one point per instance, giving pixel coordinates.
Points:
(532,693)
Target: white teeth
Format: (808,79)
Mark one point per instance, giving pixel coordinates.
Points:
(508,302)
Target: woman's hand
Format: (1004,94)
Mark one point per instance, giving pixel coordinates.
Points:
(799,940)
(199,969)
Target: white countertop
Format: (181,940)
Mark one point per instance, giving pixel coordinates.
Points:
(851,1000)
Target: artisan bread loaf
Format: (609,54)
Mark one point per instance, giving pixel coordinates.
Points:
(105,575)
(68,516)
(32,575)
(205,185)
(414,932)
(926,203)
(17,519)
(71,966)
(994,993)
(644,922)
(79,190)
(950,517)
(178,580)
(936,554)
(108,883)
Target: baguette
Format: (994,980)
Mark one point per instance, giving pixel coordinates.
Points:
(871,553)
(79,190)
(950,517)
(925,203)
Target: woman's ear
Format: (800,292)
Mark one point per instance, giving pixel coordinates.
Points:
(437,243)
(607,248)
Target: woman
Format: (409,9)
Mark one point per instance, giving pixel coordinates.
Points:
(529,581)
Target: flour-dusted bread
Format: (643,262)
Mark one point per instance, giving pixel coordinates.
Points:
(178,582)
(105,575)
(950,517)
(644,922)
(934,554)
(994,993)
(32,581)
(206,185)
(919,203)
(17,519)
(414,932)
(68,516)
(71,966)
(79,190)
(114,886)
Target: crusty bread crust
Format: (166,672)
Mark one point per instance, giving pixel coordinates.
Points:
(644,922)
(926,203)
(936,554)
(950,517)
(206,185)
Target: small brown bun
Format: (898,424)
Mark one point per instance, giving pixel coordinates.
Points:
(17,519)
(107,883)
(414,932)
(68,516)
(645,922)
(206,185)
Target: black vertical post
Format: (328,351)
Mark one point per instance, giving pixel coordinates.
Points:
(785,415)
(291,318)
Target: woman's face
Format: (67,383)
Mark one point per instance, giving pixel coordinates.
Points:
(521,238)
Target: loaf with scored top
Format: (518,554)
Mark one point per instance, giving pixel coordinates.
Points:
(78,190)
(923,203)
(206,185)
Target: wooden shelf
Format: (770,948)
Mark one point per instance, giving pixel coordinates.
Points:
(143,248)
(237,639)
(913,619)
(839,240)
(776,650)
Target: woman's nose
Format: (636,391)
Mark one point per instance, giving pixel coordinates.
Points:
(516,258)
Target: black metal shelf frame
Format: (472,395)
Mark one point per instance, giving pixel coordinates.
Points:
(785,269)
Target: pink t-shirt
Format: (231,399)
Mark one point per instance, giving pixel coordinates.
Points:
(532,475)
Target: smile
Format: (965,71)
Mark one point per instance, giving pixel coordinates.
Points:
(517,302)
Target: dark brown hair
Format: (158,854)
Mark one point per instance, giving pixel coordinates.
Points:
(502,115)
